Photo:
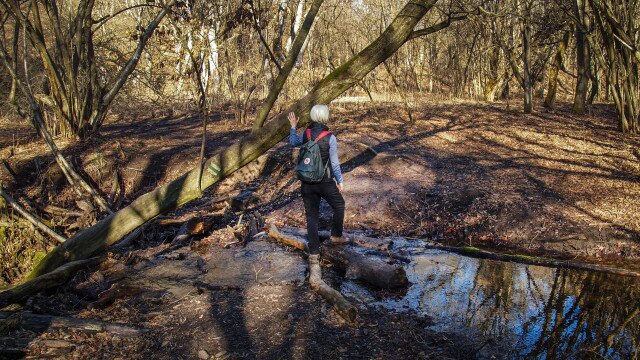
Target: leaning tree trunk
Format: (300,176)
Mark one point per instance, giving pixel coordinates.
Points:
(186,188)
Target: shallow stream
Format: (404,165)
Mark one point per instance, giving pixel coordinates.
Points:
(531,311)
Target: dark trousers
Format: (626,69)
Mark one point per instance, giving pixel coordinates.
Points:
(311,195)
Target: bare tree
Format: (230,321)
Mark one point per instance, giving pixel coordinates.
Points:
(618,25)
(73,89)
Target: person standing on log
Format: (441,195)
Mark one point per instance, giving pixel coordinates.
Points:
(331,185)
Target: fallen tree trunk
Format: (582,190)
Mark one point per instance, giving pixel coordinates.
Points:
(35,322)
(43,282)
(333,296)
(354,239)
(357,266)
(186,188)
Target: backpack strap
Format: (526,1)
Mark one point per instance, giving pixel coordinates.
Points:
(323,134)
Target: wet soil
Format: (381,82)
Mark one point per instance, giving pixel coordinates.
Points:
(248,302)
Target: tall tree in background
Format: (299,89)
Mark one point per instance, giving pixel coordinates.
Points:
(618,23)
(527,81)
(74,88)
(582,56)
(557,65)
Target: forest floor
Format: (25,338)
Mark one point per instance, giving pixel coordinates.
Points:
(463,174)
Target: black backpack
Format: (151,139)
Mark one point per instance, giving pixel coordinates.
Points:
(310,167)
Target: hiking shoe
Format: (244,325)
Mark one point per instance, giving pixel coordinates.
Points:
(338,240)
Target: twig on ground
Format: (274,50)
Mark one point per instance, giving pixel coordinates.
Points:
(32,218)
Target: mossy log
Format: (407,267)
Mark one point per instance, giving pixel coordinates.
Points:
(356,265)
(532,260)
(189,186)
(43,282)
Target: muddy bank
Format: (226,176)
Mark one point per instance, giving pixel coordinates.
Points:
(206,301)
(209,300)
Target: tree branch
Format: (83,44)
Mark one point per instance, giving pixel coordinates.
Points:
(437,27)
(128,68)
(103,20)
(256,25)
(30,217)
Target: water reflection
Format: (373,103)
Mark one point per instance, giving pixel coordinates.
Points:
(539,312)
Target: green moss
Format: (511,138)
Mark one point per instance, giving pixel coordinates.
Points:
(526,257)
(3,234)
(38,255)
(471,248)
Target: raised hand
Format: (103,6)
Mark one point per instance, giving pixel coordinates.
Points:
(293,120)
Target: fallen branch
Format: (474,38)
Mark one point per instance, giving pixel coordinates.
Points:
(32,218)
(357,266)
(333,296)
(36,322)
(354,239)
(531,260)
(43,282)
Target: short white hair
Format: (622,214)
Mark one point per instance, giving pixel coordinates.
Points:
(320,113)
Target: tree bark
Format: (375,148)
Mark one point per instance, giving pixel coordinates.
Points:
(527,81)
(185,188)
(295,24)
(558,63)
(582,58)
